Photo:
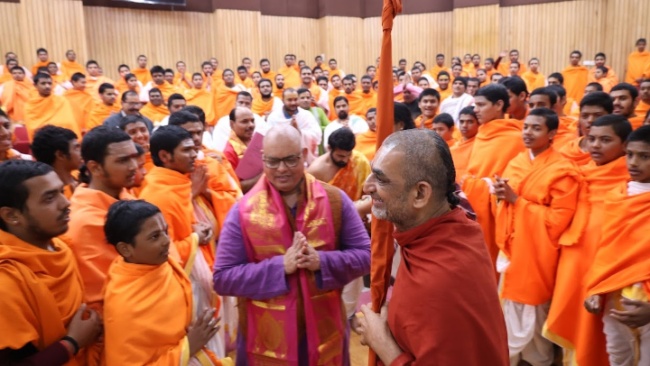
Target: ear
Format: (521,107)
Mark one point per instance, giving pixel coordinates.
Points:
(164,156)
(522,96)
(304,153)
(551,135)
(10,216)
(59,155)
(94,167)
(125,250)
(423,193)
(499,104)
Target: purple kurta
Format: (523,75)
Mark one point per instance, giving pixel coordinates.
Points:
(235,276)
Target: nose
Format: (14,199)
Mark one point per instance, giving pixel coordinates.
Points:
(368,185)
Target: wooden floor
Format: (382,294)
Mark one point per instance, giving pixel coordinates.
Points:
(358,353)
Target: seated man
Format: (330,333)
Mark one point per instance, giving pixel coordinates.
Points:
(142,282)
(344,119)
(41,311)
(288,263)
(61,149)
(6,136)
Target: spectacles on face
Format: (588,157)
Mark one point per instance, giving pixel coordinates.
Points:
(290,161)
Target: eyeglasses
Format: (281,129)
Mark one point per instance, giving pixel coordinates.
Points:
(290,161)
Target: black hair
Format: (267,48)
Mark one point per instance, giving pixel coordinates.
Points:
(166,138)
(125,218)
(50,139)
(13,174)
(342,139)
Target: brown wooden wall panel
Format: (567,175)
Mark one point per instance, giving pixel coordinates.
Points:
(282,35)
(237,34)
(11,32)
(338,40)
(475,30)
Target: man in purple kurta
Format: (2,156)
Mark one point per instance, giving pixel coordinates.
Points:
(286,250)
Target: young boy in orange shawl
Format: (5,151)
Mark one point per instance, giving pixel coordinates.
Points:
(497,142)
(193,212)
(41,311)
(103,108)
(536,196)
(462,150)
(141,282)
(200,97)
(428,102)
(15,93)
(45,108)
(575,76)
(568,324)
(546,97)
(367,141)
(61,149)
(109,169)
(80,100)
(443,125)
(592,106)
(619,281)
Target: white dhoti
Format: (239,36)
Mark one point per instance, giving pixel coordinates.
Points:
(625,346)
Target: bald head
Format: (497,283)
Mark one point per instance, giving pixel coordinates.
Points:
(284,158)
(281,135)
(426,158)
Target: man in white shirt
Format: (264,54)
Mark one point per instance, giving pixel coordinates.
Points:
(342,108)
(458,100)
(221,131)
(303,120)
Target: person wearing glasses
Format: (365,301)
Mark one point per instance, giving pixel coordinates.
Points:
(131,106)
(287,249)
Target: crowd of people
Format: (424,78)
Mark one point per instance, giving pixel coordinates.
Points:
(173,217)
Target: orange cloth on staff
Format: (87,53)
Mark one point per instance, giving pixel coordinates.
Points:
(575,81)
(98,115)
(623,256)
(155,114)
(528,231)
(572,151)
(496,143)
(38,65)
(637,66)
(203,99)
(460,153)
(15,95)
(444,94)
(143,75)
(642,109)
(81,103)
(260,107)
(41,291)
(136,332)
(569,324)
(367,144)
(54,110)
(291,77)
(350,178)
(533,80)
(355,103)
(69,68)
(565,132)
(171,191)
(224,100)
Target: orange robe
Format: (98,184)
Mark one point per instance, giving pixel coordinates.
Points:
(222,179)
(367,144)
(533,80)
(332,95)
(38,65)
(528,231)
(203,99)
(69,68)
(224,100)
(611,76)
(565,132)
(93,83)
(623,256)
(81,103)
(55,110)
(98,115)
(356,104)
(350,178)
(93,254)
(569,324)
(135,331)
(636,121)
(504,68)
(637,63)
(369,100)
(575,81)
(41,291)
(166,89)
(572,151)
(248,83)
(291,77)
(642,109)
(179,83)
(461,153)
(171,191)
(260,107)
(278,92)
(422,122)
(335,72)
(444,94)
(269,75)
(143,75)
(15,95)
(155,114)
(436,70)
(496,143)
